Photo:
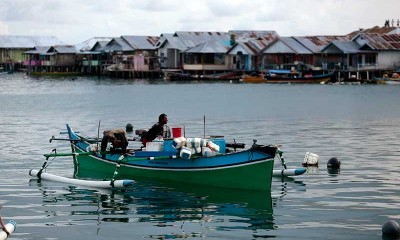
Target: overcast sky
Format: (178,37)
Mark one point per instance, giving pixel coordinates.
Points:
(74,21)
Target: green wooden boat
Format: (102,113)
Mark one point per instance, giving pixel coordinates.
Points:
(245,169)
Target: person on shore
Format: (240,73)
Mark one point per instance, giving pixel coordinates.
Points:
(160,129)
(118,139)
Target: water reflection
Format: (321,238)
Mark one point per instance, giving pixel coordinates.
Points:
(195,209)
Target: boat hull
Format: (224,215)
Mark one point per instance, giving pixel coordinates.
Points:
(312,79)
(246,175)
(56,74)
(282,79)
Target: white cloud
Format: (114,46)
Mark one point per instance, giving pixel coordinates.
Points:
(74,21)
(3,28)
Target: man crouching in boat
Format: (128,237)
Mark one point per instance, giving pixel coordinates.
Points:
(159,129)
(118,139)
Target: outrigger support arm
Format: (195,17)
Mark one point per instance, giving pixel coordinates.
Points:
(120,160)
(280,156)
(46,162)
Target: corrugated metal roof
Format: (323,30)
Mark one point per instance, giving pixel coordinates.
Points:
(99,45)
(240,47)
(192,39)
(347,47)
(173,40)
(261,44)
(251,46)
(89,44)
(66,49)
(51,50)
(295,45)
(38,50)
(141,42)
(259,35)
(316,43)
(380,41)
(287,45)
(376,29)
(243,47)
(10,41)
(209,47)
(117,44)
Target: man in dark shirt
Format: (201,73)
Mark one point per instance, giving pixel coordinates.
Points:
(156,130)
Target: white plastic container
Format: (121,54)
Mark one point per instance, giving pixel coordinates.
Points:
(310,159)
(207,152)
(185,152)
(155,146)
(213,146)
(93,148)
(179,142)
(193,142)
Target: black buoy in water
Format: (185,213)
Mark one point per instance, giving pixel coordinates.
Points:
(333,163)
(129,127)
(391,228)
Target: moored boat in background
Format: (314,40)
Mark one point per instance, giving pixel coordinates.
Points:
(56,74)
(287,76)
(385,79)
(179,75)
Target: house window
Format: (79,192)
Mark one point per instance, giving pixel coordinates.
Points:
(219,59)
(209,58)
(162,57)
(192,58)
(370,59)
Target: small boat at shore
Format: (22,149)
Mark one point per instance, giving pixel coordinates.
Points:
(250,168)
(178,76)
(183,76)
(385,79)
(287,76)
(233,75)
(56,74)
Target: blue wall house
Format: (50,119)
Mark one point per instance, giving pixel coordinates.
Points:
(247,46)
(170,47)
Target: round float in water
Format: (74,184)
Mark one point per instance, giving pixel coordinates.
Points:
(333,163)
(391,228)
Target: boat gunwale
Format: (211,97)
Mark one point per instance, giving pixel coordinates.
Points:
(209,168)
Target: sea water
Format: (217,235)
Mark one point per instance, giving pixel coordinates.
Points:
(358,124)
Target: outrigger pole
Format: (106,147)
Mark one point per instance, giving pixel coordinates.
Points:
(91,140)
